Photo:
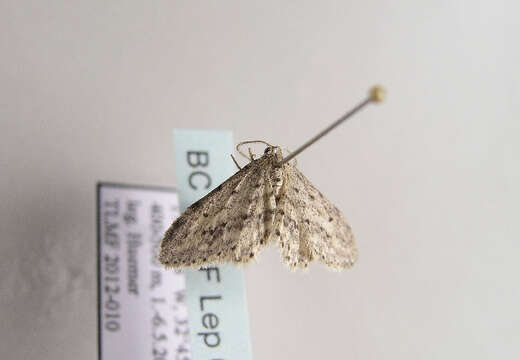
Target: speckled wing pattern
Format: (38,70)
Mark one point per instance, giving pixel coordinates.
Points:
(310,227)
(230,224)
(262,203)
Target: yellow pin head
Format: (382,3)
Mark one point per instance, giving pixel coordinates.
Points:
(377,94)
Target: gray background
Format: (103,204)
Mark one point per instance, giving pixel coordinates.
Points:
(429,180)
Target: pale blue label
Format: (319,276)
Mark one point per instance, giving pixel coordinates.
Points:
(217,307)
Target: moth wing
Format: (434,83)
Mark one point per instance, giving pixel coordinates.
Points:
(312,227)
(190,236)
(287,233)
(252,214)
(228,224)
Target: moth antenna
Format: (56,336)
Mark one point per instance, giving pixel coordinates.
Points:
(376,94)
(240,151)
(250,142)
(235,161)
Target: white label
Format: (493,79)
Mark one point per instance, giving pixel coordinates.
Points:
(141,309)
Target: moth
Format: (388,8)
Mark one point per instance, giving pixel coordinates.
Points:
(266,202)
(269,201)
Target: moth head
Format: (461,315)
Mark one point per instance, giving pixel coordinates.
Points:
(275,151)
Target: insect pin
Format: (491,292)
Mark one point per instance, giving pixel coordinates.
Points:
(267,201)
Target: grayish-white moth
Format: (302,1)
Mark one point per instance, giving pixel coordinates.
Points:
(267,201)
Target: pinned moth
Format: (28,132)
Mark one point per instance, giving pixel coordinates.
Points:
(268,201)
